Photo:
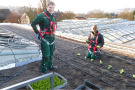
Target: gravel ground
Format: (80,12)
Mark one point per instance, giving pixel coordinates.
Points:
(77,69)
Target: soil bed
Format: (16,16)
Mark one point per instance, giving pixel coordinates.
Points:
(77,69)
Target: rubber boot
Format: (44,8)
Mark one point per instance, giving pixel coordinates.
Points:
(50,65)
(44,63)
(49,62)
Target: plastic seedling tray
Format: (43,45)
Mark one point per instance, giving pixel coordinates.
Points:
(45,84)
(88,86)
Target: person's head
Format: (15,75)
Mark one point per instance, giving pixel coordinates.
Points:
(50,7)
(94,28)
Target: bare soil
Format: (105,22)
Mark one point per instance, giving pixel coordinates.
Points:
(77,69)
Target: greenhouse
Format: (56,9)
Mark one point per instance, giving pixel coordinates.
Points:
(114,30)
(16,50)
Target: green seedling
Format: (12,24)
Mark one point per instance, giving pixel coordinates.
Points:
(45,84)
(85,57)
(91,60)
(101,62)
(109,66)
(133,76)
(121,71)
(78,54)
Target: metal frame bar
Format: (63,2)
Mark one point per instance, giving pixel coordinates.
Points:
(26,83)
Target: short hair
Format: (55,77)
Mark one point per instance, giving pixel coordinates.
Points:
(51,3)
(94,26)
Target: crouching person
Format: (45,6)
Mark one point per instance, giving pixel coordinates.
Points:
(96,42)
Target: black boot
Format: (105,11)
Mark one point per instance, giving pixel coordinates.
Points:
(44,62)
(43,68)
(53,68)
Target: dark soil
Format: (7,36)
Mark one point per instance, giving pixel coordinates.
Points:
(77,69)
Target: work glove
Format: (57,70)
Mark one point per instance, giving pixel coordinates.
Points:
(38,36)
(98,46)
(87,41)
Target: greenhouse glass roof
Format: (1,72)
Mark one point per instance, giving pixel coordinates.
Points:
(114,30)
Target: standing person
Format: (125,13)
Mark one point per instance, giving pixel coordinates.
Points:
(95,41)
(46,35)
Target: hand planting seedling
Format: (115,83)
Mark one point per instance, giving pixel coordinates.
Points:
(109,66)
(91,60)
(78,54)
(101,62)
(121,71)
(133,76)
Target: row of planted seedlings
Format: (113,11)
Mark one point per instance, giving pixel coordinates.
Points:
(110,67)
(121,71)
(77,66)
(101,65)
(113,69)
(86,72)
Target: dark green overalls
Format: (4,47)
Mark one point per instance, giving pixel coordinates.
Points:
(93,54)
(47,38)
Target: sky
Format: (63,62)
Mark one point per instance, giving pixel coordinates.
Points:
(77,6)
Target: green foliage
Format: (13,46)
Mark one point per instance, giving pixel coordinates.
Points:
(133,76)
(85,57)
(45,84)
(121,71)
(78,54)
(101,62)
(91,60)
(109,66)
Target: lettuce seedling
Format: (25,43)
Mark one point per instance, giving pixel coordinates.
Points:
(85,57)
(101,62)
(78,54)
(121,71)
(91,60)
(109,66)
(133,76)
